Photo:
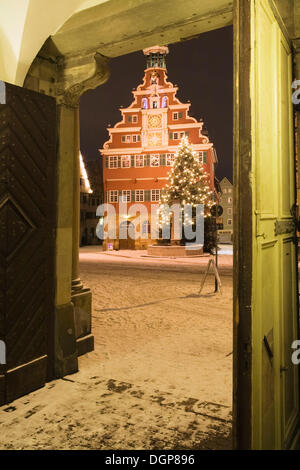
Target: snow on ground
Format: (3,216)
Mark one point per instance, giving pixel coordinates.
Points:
(160,375)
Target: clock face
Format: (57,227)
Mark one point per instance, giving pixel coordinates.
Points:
(154,120)
(154,139)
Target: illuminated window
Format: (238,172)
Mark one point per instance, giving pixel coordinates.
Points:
(154,160)
(139,195)
(203,157)
(177,116)
(164,103)
(113,162)
(139,161)
(155,195)
(113,196)
(126,196)
(229,200)
(170,159)
(125,161)
(132,118)
(144,103)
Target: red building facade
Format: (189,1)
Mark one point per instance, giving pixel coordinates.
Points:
(140,151)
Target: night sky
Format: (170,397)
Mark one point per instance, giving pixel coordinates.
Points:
(203,70)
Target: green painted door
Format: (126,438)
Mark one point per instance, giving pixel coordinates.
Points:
(271,377)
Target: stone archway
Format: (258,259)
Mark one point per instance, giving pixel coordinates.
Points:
(64,68)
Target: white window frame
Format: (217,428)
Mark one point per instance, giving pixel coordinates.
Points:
(154,157)
(126,195)
(128,138)
(113,158)
(113,195)
(125,158)
(175,138)
(141,157)
(170,158)
(139,195)
(136,138)
(154,194)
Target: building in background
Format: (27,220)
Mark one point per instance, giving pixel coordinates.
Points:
(141,148)
(225,222)
(91,195)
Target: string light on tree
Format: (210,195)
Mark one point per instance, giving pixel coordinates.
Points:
(188,183)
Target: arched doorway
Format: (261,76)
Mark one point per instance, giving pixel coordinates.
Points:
(126,231)
(255,242)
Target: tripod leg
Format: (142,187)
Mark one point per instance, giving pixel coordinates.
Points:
(205,276)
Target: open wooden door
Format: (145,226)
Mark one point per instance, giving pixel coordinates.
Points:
(266,386)
(27,239)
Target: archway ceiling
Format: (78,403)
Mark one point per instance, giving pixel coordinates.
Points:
(118,27)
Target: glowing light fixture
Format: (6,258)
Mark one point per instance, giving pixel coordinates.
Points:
(84,175)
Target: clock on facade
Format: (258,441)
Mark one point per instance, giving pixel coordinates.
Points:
(154,139)
(154,120)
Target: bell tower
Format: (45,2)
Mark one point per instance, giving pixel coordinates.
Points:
(156,56)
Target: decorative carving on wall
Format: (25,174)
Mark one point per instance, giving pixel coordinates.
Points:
(70,94)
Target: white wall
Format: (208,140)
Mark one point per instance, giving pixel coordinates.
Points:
(25,25)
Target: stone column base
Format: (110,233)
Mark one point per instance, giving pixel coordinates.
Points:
(83,321)
(65,350)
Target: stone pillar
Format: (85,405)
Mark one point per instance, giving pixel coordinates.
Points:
(76,282)
(81,297)
(66,79)
(65,336)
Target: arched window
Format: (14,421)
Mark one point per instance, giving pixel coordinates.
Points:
(144,103)
(164,103)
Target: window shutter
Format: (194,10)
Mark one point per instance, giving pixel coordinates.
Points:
(147,160)
(187,134)
(147,195)
(179,115)
(106,162)
(119,162)
(171,136)
(132,196)
(162,159)
(132,160)
(129,118)
(204,157)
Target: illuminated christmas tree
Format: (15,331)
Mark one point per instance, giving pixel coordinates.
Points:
(188,184)
(188,181)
